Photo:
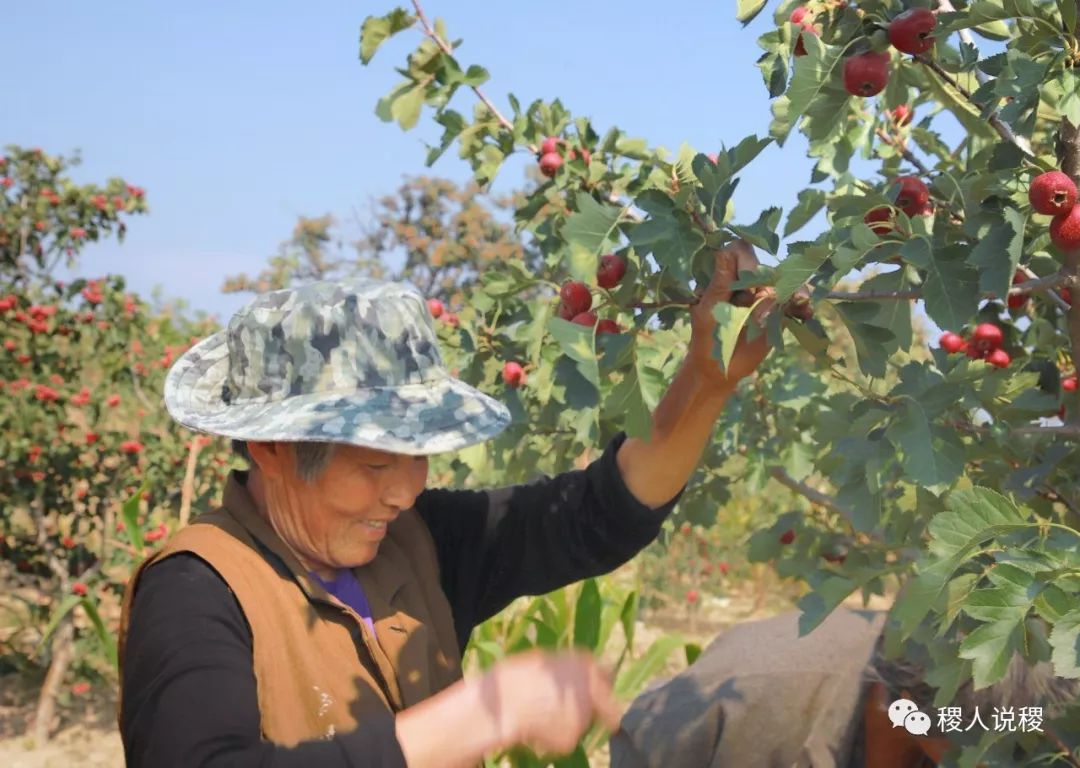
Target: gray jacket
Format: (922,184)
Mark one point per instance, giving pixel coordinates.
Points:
(759,696)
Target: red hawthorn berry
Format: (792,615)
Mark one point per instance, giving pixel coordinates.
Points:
(585,318)
(79,689)
(1017,300)
(435,307)
(723,567)
(998,358)
(607,326)
(952,342)
(550,164)
(78,233)
(1069,384)
(113,401)
(692,596)
(787,537)
(910,31)
(987,337)
(549,145)
(1052,193)
(451,318)
(79,589)
(611,270)
(513,374)
(902,115)
(9,345)
(1065,230)
(67,542)
(866,74)
(576,296)
(913,196)
(131,446)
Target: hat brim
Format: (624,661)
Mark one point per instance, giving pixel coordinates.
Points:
(444,414)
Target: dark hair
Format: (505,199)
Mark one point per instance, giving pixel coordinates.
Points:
(311,457)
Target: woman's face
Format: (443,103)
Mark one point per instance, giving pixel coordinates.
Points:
(339,520)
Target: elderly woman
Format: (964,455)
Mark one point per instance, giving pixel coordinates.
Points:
(318,616)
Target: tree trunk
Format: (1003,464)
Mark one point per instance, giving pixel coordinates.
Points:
(63,649)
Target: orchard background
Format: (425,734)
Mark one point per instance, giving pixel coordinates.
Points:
(886,182)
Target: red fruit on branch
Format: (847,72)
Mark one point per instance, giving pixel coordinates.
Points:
(67,542)
(902,115)
(1069,384)
(131,447)
(80,689)
(451,318)
(692,596)
(1065,230)
(92,437)
(78,233)
(800,46)
(1066,296)
(910,31)
(607,326)
(787,537)
(999,358)
(952,342)
(880,220)
(866,74)
(113,401)
(513,374)
(723,567)
(550,164)
(157,534)
(435,307)
(9,345)
(549,145)
(987,337)
(1052,193)
(611,270)
(913,196)
(46,394)
(585,318)
(79,589)
(1017,300)
(798,14)
(576,297)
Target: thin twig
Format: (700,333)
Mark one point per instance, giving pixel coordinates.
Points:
(445,48)
(904,151)
(811,494)
(1004,131)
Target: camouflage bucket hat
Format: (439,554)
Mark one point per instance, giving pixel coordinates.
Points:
(352,361)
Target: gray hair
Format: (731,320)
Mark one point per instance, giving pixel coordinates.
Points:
(312,458)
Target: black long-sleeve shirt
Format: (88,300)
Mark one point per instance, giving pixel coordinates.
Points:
(189,683)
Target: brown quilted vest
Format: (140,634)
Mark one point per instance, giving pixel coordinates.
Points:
(318,669)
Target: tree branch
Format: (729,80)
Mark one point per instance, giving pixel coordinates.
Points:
(812,495)
(445,48)
(1004,131)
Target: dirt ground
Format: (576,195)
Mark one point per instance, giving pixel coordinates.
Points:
(88,736)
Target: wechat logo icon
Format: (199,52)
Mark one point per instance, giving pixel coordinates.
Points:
(904,713)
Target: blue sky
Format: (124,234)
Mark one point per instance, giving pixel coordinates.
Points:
(238,117)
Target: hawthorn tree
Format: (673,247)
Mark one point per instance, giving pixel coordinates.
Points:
(949,468)
(92,471)
(444,235)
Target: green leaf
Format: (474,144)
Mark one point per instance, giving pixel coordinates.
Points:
(378,29)
(1067,9)
(628,619)
(990,648)
(636,396)
(971,518)
(58,614)
(797,269)
(811,201)
(587,616)
(588,232)
(871,342)
(951,289)
(817,605)
(1065,640)
(812,73)
(576,342)
(668,234)
(130,512)
(922,463)
(731,161)
(576,759)
(730,321)
(747,10)
(998,252)
(647,666)
(403,104)
(106,638)
(762,232)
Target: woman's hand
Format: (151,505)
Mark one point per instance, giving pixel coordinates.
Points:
(542,700)
(549,700)
(736,257)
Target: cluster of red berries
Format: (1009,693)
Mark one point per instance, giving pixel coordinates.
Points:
(866,74)
(985,344)
(913,198)
(437,310)
(1054,194)
(550,158)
